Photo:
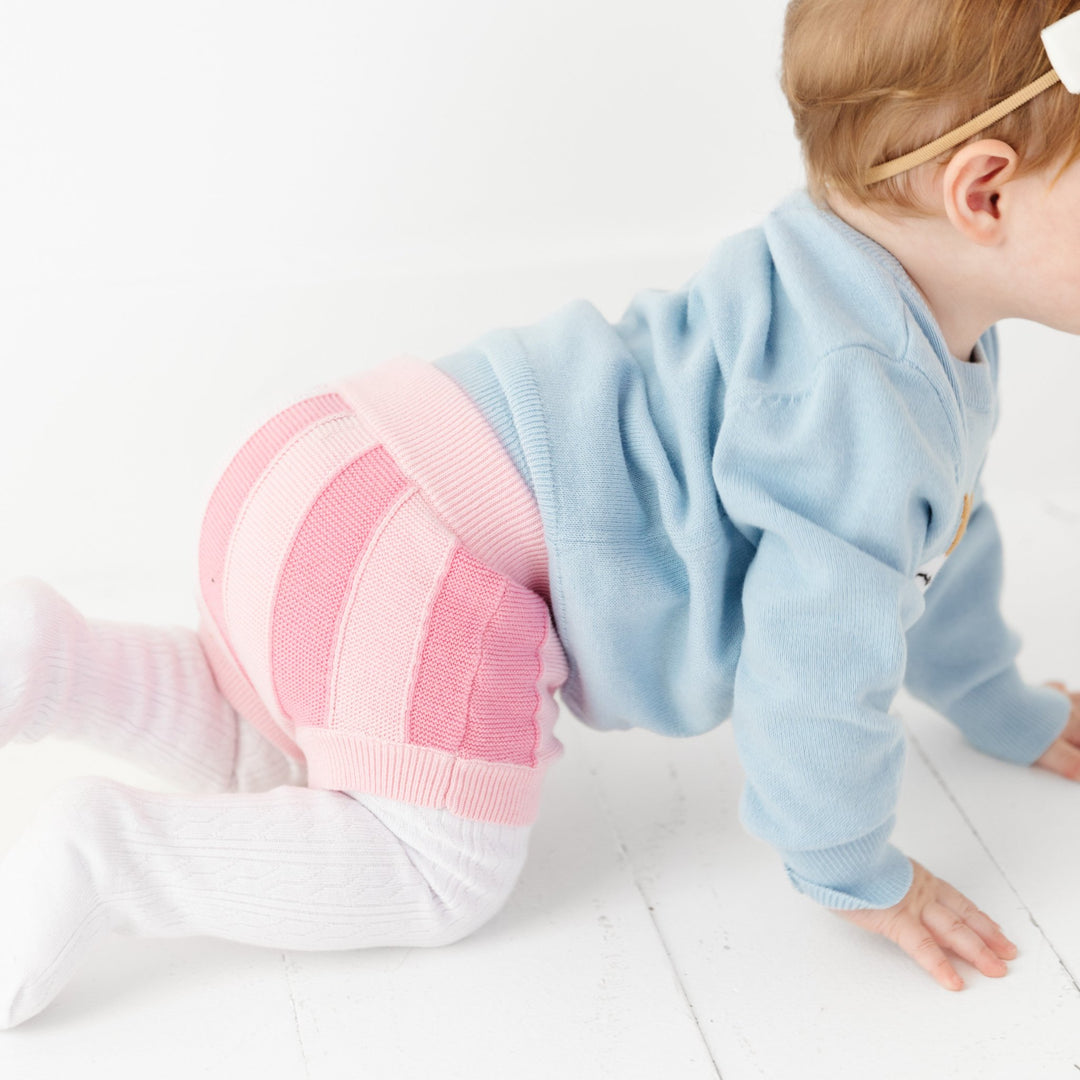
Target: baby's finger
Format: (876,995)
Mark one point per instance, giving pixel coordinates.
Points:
(919,943)
(979,921)
(950,929)
(1063,759)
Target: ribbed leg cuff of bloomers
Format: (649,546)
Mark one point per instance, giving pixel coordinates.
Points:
(498,792)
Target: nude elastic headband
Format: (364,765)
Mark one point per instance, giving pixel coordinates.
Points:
(1062,43)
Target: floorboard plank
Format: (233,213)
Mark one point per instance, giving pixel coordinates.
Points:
(783,988)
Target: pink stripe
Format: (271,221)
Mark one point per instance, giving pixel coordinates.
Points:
(235,483)
(504,704)
(316,577)
(475,692)
(451,653)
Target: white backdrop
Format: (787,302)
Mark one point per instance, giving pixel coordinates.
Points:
(208,207)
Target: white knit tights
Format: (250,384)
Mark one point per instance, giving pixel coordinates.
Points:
(287,868)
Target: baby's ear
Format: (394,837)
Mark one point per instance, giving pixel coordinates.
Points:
(975,189)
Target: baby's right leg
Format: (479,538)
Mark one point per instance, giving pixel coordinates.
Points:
(292,868)
(144,693)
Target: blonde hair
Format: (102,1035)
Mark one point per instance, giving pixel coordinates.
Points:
(870,80)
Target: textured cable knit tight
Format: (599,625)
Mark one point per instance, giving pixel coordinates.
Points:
(290,868)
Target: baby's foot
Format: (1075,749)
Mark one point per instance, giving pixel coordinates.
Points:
(35,628)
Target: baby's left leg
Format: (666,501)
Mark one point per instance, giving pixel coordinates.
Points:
(291,868)
(144,693)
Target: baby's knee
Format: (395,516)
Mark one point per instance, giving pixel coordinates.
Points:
(465,911)
(456,873)
(471,897)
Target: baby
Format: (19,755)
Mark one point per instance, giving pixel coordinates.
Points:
(757,496)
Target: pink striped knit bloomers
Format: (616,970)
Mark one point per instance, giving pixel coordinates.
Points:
(373,597)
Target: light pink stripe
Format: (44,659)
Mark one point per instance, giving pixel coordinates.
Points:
(383,629)
(315,580)
(232,489)
(275,509)
(444,444)
(238,691)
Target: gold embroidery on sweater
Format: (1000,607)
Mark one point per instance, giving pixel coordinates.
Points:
(963,525)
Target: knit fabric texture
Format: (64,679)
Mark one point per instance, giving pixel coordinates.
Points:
(761,498)
(373,596)
(289,868)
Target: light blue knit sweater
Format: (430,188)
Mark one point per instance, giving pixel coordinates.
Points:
(748,486)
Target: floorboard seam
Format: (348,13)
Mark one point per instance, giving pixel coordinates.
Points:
(921,750)
(671,961)
(624,853)
(296,1015)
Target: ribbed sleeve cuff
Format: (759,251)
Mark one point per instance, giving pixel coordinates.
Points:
(1008,719)
(866,873)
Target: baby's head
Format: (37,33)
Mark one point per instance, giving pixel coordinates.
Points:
(870,80)
(987,227)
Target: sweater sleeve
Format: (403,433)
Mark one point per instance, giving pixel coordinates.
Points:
(834,485)
(962,654)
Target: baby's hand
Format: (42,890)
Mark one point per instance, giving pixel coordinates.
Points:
(931,915)
(1063,757)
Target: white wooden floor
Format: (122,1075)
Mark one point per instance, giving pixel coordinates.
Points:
(649,936)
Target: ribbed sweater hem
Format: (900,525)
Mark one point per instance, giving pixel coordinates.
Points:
(1008,719)
(864,873)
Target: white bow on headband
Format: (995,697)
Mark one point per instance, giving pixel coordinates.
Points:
(1062,43)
